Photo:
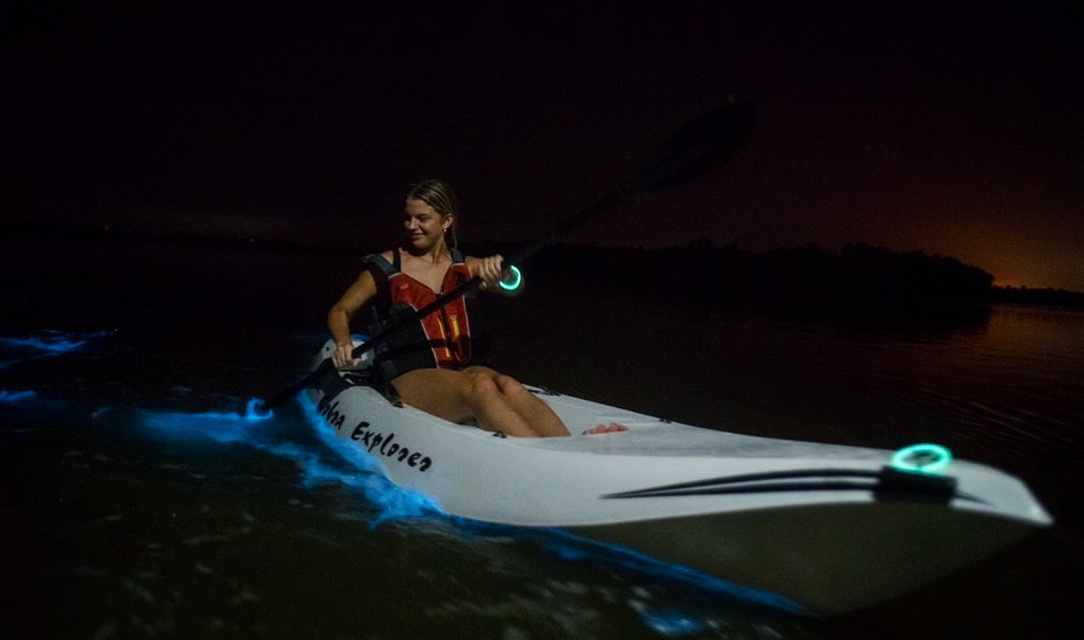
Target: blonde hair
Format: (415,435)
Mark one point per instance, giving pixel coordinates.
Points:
(438,194)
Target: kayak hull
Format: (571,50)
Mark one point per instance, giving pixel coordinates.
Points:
(831,528)
(831,559)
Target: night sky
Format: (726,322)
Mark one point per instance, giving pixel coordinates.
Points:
(950,127)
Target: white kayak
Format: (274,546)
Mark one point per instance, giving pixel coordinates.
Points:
(831,528)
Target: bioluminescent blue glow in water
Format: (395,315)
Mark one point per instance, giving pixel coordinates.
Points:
(220,426)
(392,500)
(254,411)
(51,341)
(29,402)
(572,547)
(669,623)
(258,430)
(43,344)
(17,397)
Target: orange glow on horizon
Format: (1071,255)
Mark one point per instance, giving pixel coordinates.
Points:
(1016,257)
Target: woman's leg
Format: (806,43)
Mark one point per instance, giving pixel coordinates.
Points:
(537,414)
(497,402)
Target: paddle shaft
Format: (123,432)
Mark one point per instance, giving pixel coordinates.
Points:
(704,142)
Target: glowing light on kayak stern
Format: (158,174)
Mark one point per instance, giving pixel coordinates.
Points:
(925,458)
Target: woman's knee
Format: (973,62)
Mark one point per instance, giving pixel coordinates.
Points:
(483,386)
(510,386)
(486,384)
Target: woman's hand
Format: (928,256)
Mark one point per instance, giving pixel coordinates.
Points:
(343,356)
(489,270)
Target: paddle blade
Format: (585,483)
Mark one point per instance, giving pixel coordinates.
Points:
(711,139)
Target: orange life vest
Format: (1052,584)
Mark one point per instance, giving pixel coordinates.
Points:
(448,338)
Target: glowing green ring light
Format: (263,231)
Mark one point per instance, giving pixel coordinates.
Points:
(922,458)
(517,279)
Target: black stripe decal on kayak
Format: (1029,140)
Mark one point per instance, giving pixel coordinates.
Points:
(886,483)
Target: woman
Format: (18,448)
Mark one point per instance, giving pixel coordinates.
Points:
(434,366)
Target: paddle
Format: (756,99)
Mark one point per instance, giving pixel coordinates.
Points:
(706,141)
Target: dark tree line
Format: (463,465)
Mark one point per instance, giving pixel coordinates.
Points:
(859,276)
(702,274)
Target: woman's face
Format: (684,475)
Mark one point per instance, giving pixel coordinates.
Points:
(424,224)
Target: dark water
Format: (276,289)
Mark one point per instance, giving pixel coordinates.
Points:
(136,502)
